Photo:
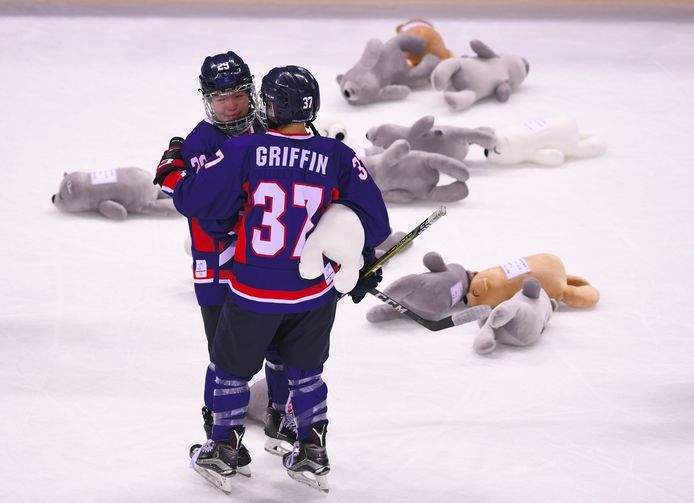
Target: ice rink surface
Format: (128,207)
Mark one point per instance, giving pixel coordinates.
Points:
(102,350)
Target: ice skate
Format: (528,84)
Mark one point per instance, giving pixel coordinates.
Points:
(244,455)
(308,463)
(218,462)
(280,431)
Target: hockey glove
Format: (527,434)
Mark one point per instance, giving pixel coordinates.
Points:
(365,284)
(171,160)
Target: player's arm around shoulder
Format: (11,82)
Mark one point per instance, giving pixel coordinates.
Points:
(212,192)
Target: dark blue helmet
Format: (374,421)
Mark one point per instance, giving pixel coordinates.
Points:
(224,71)
(290,94)
(226,74)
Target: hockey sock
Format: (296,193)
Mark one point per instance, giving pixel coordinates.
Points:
(309,396)
(276,379)
(229,404)
(209,385)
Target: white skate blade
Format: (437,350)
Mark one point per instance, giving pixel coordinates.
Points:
(278,447)
(221,482)
(319,482)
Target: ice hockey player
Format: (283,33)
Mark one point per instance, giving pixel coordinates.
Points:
(287,180)
(229,99)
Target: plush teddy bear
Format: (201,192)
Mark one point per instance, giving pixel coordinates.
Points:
(497,284)
(518,321)
(331,127)
(404,176)
(451,141)
(383,73)
(257,404)
(432,295)
(466,80)
(114,193)
(338,236)
(543,141)
(434,42)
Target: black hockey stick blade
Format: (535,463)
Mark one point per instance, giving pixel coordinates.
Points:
(467,315)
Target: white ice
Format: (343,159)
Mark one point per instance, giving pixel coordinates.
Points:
(102,350)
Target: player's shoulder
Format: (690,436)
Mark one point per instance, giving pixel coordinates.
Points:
(241,143)
(202,129)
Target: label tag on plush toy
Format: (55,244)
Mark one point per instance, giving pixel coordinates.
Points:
(105,176)
(200,269)
(535,125)
(328,274)
(456,293)
(515,268)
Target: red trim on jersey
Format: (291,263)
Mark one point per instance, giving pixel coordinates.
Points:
(240,252)
(201,240)
(171,180)
(270,295)
(296,136)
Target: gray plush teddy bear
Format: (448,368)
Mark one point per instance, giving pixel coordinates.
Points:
(383,73)
(518,321)
(114,193)
(466,80)
(451,141)
(404,176)
(432,295)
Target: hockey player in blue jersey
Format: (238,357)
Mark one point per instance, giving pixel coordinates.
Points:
(229,100)
(288,182)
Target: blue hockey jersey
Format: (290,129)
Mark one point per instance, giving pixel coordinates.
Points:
(282,183)
(212,252)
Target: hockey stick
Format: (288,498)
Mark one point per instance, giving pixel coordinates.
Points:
(470,314)
(441,211)
(405,240)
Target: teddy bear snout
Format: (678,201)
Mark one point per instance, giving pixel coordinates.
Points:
(486,152)
(347,93)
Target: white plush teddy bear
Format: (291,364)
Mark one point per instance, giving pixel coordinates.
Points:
(518,321)
(331,127)
(543,141)
(339,236)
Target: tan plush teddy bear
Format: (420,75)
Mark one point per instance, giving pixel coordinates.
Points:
(434,42)
(495,285)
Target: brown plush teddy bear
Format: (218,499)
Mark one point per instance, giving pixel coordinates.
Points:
(495,285)
(434,42)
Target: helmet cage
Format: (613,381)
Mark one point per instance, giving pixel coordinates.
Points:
(237,126)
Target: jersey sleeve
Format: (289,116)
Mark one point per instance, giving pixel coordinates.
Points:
(360,193)
(214,192)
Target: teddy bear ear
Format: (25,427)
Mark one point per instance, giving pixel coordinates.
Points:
(422,126)
(339,78)
(64,174)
